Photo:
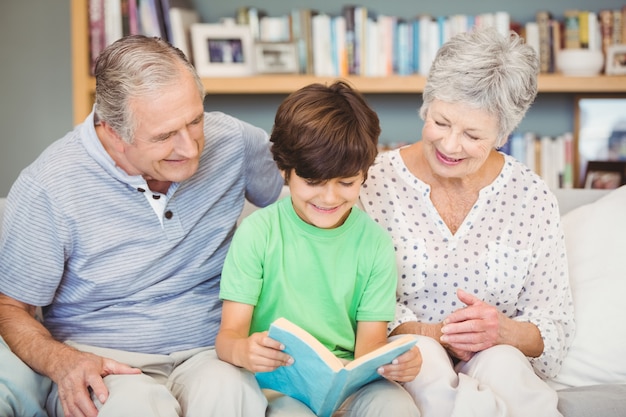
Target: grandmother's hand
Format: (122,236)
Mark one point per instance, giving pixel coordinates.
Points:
(473,328)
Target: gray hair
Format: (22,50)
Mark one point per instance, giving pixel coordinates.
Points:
(487,71)
(134,67)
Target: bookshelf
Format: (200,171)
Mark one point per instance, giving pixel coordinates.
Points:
(84,84)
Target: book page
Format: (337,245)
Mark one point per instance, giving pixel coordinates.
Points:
(322,351)
(390,351)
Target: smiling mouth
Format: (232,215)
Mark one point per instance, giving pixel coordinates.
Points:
(325,209)
(447,159)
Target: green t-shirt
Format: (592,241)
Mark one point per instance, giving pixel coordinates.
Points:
(324,280)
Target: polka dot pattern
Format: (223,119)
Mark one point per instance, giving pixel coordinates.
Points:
(509,251)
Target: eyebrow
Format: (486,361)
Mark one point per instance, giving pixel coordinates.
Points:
(162,136)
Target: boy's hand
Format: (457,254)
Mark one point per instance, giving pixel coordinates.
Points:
(404,368)
(263,354)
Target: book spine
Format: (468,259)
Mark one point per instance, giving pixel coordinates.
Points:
(166,24)
(530,139)
(255,16)
(556,31)
(97,40)
(617,27)
(112,20)
(125,17)
(297,36)
(360,59)
(606,29)
(339,25)
(425,55)
(545,49)
(568,169)
(386,26)
(415,41)
(133,18)
(149,18)
(503,22)
(372,49)
(335,394)
(309,40)
(595,37)
(531,34)
(623,12)
(518,147)
(348,14)
(583,18)
(322,61)
(572,29)
(403,48)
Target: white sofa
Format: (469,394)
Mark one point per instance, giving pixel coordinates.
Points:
(592,382)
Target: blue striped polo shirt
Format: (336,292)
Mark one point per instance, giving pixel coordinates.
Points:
(82,241)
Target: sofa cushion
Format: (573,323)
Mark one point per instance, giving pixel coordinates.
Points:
(595,237)
(594,401)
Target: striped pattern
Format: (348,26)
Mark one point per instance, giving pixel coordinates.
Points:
(81,238)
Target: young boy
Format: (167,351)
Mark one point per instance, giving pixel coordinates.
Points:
(314,258)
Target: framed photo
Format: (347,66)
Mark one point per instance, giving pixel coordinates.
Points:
(599,131)
(615,60)
(222,50)
(605,174)
(276,58)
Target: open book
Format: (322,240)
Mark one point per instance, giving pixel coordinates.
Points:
(317,377)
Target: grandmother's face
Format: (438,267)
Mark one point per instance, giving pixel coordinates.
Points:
(458,138)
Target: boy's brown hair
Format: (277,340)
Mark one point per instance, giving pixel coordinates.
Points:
(325,132)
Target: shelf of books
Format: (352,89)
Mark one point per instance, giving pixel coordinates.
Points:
(389,83)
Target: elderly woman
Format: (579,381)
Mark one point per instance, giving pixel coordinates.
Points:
(482,270)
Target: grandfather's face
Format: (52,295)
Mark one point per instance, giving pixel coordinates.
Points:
(458,138)
(169,133)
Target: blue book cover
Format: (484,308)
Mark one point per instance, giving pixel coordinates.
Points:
(318,378)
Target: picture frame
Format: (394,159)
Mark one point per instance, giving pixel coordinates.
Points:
(615,60)
(599,131)
(222,50)
(276,58)
(605,174)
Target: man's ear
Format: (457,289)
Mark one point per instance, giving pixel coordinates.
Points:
(113,138)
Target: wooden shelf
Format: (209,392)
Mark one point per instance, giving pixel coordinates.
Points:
(557,83)
(396,84)
(84,85)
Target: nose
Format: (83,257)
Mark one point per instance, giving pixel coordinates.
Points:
(451,142)
(329,194)
(185,145)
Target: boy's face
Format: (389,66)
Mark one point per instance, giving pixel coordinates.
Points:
(324,204)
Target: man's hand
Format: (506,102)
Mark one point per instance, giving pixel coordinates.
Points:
(80,373)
